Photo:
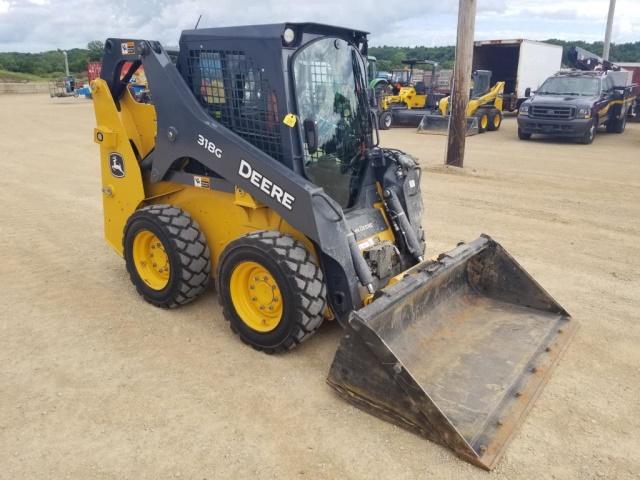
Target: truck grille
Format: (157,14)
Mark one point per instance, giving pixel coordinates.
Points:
(552,113)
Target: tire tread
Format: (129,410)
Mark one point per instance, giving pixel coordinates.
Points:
(193,251)
(306,279)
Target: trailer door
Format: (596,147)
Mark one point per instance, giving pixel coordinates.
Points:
(538,61)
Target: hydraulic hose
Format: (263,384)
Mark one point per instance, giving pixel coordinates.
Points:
(406,229)
(360,264)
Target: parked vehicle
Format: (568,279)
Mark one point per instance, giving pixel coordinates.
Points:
(484,110)
(521,64)
(409,95)
(275,187)
(575,103)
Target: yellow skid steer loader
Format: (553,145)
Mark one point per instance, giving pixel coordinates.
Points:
(484,110)
(254,162)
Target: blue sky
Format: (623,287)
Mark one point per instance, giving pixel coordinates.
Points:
(36,25)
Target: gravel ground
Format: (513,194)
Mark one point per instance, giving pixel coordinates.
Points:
(95,383)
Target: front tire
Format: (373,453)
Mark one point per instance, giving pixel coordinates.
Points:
(483,120)
(167,256)
(590,134)
(385,120)
(272,292)
(522,135)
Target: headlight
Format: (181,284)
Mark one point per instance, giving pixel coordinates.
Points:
(524,109)
(584,112)
(289,35)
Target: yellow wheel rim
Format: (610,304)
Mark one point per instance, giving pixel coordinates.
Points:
(256,296)
(496,121)
(151,260)
(484,121)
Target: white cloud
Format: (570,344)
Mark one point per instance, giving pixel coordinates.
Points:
(34,25)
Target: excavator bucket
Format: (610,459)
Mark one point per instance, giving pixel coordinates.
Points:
(436,124)
(457,351)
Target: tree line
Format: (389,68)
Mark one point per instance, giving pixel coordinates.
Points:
(51,63)
(389,58)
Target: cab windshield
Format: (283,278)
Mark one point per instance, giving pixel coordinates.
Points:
(332,105)
(570,86)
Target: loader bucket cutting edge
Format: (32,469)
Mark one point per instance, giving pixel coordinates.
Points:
(435,124)
(457,351)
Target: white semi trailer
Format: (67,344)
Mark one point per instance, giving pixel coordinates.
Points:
(522,64)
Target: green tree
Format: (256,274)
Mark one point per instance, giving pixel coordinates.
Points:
(96,48)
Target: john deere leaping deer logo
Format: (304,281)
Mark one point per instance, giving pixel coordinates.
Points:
(116,164)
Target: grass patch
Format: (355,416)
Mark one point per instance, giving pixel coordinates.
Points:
(7,76)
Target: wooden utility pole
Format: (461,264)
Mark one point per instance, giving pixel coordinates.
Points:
(607,33)
(461,83)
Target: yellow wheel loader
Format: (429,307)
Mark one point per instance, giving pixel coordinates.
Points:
(484,110)
(254,163)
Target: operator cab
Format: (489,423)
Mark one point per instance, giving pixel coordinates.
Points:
(307,108)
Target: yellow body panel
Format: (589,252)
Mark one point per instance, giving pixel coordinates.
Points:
(121,196)
(626,103)
(406,95)
(222,216)
(139,120)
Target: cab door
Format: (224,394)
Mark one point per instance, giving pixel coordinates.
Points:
(603,105)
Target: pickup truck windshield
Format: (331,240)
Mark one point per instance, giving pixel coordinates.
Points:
(570,86)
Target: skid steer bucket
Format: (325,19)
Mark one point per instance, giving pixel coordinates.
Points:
(456,351)
(436,124)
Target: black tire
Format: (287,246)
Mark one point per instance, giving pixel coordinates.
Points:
(385,120)
(299,279)
(495,120)
(523,135)
(619,125)
(590,134)
(483,120)
(186,249)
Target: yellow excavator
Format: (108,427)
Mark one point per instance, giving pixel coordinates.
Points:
(484,110)
(254,163)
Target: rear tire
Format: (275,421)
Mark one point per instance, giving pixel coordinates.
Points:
(495,120)
(272,292)
(167,256)
(523,135)
(385,120)
(619,125)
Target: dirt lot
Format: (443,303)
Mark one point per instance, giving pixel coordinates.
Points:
(95,383)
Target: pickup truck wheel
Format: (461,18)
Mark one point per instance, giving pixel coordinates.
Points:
(590,134)
(523,135)
(619,125)
(495,120)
